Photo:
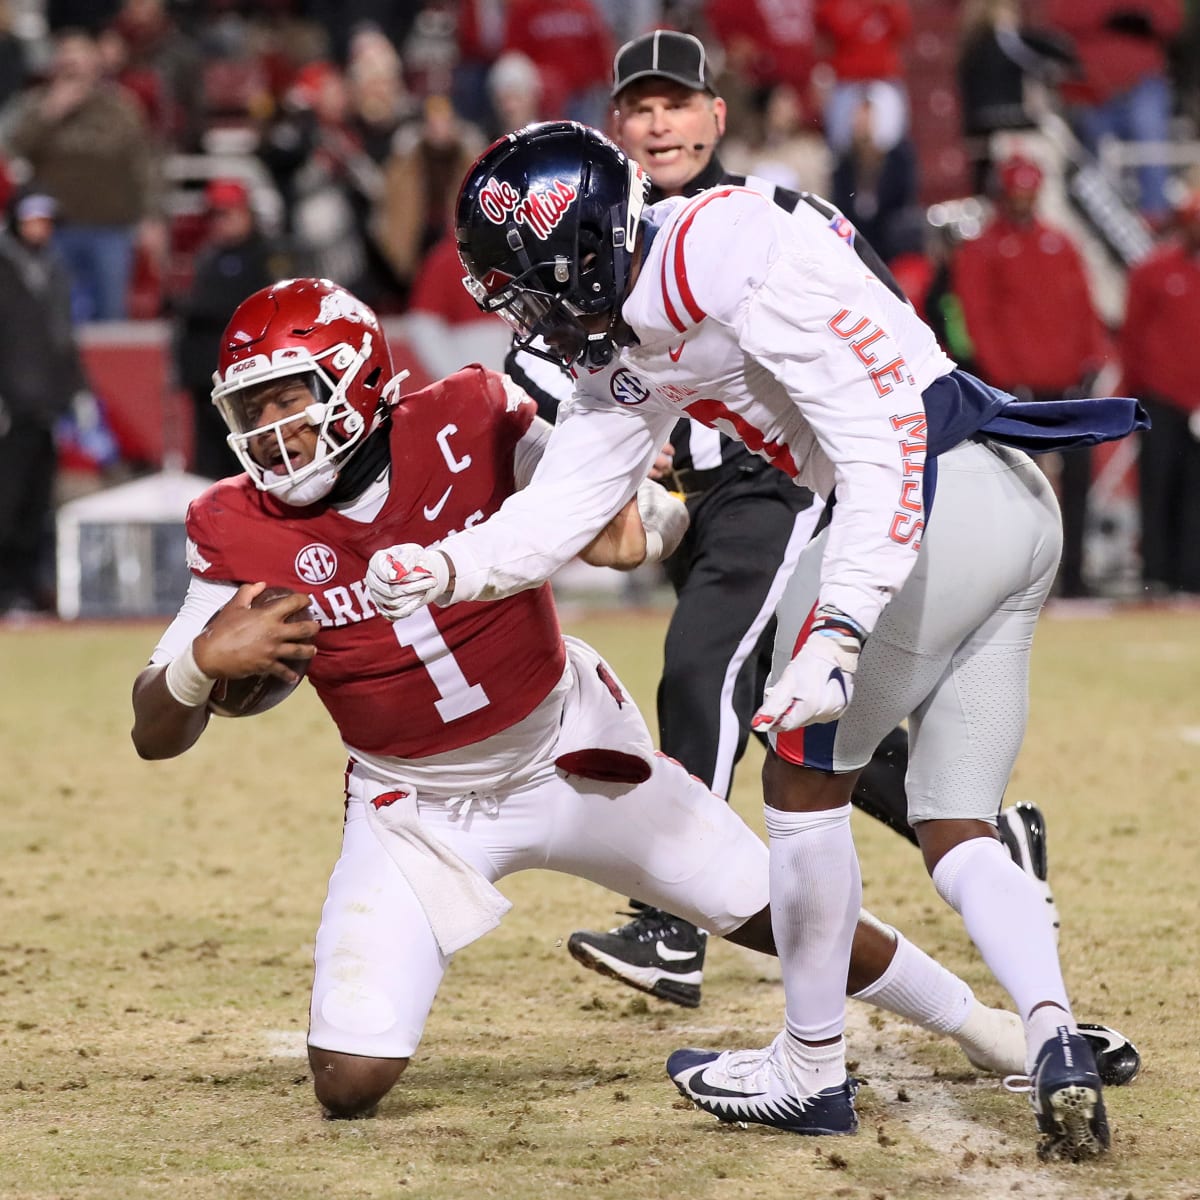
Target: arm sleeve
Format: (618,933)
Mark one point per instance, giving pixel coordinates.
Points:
(592,464)
(27,129)
(203,598)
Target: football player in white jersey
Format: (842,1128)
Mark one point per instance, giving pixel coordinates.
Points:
(748,524)
(481,741)
(940,552)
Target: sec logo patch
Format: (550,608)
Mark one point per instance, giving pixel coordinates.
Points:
(842,227)
(627,388)
(316,563)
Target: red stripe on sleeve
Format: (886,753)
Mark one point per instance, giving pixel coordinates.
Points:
(694,311)
(672,315)
(685,292)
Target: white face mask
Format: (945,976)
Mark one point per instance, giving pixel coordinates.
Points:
(338,425)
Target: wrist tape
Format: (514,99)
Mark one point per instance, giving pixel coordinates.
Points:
(186,682)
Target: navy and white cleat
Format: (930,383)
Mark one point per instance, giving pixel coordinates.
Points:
(1022,829)
(1117,1058)
(1067,1097)
(753,1086)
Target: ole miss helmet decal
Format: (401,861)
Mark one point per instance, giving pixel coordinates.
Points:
(540,211)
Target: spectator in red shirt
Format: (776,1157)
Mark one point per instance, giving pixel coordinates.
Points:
(1160,356)
(443,324)
(1028,310)
(864,42)
(1124,92)
(571,46)
(766,41)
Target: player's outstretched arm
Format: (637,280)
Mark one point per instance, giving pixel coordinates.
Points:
(170,700)
(647,529)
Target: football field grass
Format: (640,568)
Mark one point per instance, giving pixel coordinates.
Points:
(156,925)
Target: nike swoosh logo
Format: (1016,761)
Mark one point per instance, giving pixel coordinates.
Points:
(702,1087)
(673,352)
(432,514)
(665,951)
(1109,1038)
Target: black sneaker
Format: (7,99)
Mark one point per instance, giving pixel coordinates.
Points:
(1117,1058)
(1068,1099)
(1022,829)
(655,953)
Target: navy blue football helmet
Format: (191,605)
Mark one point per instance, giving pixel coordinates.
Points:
(546,223)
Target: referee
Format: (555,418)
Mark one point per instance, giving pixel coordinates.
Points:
(749,523)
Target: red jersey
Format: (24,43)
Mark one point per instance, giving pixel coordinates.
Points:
(445,677)
(771,40)
(1159,351)
(567,40)
(1027,303)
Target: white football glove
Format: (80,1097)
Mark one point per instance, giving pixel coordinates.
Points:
(817,685)
(406,577)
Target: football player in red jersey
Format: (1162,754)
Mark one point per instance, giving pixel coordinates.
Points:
(481,741)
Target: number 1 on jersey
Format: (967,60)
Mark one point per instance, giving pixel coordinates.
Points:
(458,698)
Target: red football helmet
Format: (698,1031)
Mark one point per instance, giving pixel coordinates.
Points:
(315,328)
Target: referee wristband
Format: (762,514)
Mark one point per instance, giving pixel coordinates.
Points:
(186,682)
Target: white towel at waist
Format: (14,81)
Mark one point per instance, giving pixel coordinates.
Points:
(460,903)
(601,735)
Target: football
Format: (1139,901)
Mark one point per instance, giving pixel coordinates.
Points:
(256,693)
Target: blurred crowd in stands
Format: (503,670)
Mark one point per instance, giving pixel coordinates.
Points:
(1030,171)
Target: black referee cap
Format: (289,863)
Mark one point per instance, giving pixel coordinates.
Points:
(665,54)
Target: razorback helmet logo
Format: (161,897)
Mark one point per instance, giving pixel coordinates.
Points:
(340,305)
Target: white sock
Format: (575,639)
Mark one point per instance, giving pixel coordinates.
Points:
(816,891)
(815,1068)
(1006,918)
(917,987)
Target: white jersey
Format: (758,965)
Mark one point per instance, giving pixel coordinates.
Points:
(767,326)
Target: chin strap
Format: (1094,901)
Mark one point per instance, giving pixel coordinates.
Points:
(364,465)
